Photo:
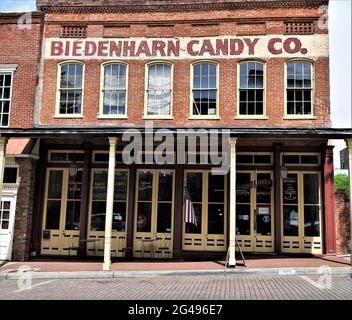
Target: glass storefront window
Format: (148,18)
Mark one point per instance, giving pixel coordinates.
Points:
(53,209)
(194,185)
(165,193)
(311,205)
(290,202)
(243,204)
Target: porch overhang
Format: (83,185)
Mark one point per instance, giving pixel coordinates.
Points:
(240,132)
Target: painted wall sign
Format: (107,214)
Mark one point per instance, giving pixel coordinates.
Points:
(269,46)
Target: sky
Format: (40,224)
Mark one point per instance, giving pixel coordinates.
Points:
(340,60)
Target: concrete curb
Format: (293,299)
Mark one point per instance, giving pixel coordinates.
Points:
(173,273)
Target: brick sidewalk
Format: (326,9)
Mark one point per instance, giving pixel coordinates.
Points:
(225,287)
(50,265)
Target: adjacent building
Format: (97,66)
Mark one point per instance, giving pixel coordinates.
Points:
(256,73)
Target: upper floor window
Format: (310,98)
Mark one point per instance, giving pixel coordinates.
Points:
(251,89)
(159,90)
(71,89)
(114,90)
(299,88)
(5,97)
(205,89)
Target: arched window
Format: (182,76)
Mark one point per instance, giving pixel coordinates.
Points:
(159,89)
(205,89)
(251,89)
(114,90)
(71,89)
(299,88)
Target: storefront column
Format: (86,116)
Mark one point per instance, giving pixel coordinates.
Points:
(3,142)
(109,203)
(349,148)
(232,251)
(329,196)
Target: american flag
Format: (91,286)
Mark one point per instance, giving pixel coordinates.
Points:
(190,214)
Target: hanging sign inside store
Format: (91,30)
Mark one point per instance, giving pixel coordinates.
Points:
(188,48)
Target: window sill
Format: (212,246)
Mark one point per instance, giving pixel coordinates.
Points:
(299,117)
(204,118)
(158,118)
(112,117)
(61,116)
(251,118)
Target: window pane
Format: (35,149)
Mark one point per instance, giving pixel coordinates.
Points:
(73,215)
(53,214)
(145,186)
(10,175)
(291,221)
(164,217)
(264,186)
(194,185)
(263,223)
(216,218)
(98,216)
(144,216)
(290,189)
(243,223)
(165,186)
(311,189)
(311,221)
(55,184)
(121,184)
(119,217)
(100,185)
(243,188)
(216,188)
(197,229)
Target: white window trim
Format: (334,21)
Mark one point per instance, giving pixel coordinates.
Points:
(101,115)
(204,117)
(254,116)
(300,116)
(146,77)
(57,107)
(8,69)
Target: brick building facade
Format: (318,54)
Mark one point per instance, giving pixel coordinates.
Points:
(20,52)
(258,72)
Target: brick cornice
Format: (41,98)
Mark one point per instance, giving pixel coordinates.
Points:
(171,6)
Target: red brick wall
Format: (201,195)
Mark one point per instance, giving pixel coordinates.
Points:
(182,21)
(21,47)
(343,230)
(24,209)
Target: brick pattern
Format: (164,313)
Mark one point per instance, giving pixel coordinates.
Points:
(24,210)
(343,229)
(21,47)
(249,21)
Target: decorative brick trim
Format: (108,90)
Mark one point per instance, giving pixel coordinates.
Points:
(174,6)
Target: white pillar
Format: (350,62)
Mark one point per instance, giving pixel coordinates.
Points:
(349,151)
(232,253)
(109,204)
(3,142)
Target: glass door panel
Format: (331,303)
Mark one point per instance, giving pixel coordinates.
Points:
(154,214)
(97,215)
(207,193)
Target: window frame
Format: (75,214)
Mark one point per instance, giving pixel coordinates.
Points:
(204,117)
(101,96)
(310,116)
(58,90)
(8,69)
(146,89)
(254,116)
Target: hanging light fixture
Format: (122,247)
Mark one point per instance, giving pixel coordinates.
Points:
(73,168)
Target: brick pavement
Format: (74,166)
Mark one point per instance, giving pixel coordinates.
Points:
(253,287)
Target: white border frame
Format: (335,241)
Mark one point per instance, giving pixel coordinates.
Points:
(8,69)
(204,117)
(299,116)
(57,105)
(101,96)
(146,78)
(251,117)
